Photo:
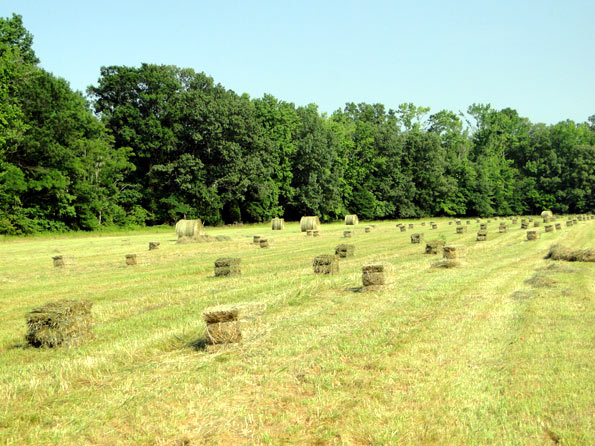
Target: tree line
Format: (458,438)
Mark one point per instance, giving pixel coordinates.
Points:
(156,143)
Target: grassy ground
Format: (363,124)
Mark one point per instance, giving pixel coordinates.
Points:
(498,351)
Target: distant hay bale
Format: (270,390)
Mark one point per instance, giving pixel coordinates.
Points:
(347,234)
(227,267)
(434,226)
(558,226)
(58,261)
(256,239)
(549,228)
(468,222)
(223,332)
(367,229)
(410,225)
(153,245)
(309,233)
(277,224)
(558,252)
(417,238)
(536,224)
(446,264)
(482,236)
(450,223)
(502,229)
(461,229)
(264,243)
(64,322)
(316,233)
(453,252)
(483,226)
(373,276)
(189,228)
(532,235)
(547,214)
(351,219)
(458,222)
(434,246)
(404,228)
(309,223)
(222,238)
(525,225)
(130,259)
(325,264)
(569,223)
(344,251)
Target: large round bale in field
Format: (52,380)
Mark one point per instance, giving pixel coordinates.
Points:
(547,214)
(189,228)
(351,219)
(277,224)
(309,223)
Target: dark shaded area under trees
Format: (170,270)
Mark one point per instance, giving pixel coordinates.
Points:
(158,143)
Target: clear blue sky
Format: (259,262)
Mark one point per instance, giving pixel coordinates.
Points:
(535,56)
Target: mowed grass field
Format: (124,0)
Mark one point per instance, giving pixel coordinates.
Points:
(497,352)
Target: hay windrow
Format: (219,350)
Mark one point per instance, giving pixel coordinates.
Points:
(64,322)
(446,264)
(559,252)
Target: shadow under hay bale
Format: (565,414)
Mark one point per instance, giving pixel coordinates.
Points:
(351,219)
(558,252)
(58,261)
(373,276)
(344,251)
(277,224)
(153,245)
(64,322)
(434,247)
(417,238)
(446,264)
(325,264)
(130,259)
(309,223)
(227,267)
(532,235)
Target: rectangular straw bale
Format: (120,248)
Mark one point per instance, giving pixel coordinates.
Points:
(461,229)
(453,252)
(224,332)
(58,261)
(417,238)
(549,228)
(227,266)
(345,250)
(64,322)
(434,246)
(325,264)
(373,276)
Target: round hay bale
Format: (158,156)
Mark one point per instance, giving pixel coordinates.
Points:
(189,228)
(351,219)
(309,223)
(547,214)
(277,224)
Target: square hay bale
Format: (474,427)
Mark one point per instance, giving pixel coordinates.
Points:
(64,322)
(461,229)
(344,250)
(264,243)
(227,267)
(468,222)
(347,234)
(483,226)
(417,238)
(453,252)
(434,226)
(558,226)
(58,261)
(502,229)
(434,246)
(524,225)
(130,259)
(256,239)
(532,235)
(224,332)
(575,222)
(325,264)
(410,225)
(569,223)
(373,276)
(458,222)
(367,229)
(549,228)
(404,228)
(153,245)
(316,233)
(309,233)
(482,236)
(536,224)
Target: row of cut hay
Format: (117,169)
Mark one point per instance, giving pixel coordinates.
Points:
(558,252)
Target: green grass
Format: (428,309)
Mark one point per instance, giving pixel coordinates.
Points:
(498,351)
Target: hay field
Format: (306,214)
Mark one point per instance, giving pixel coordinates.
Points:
(498,351)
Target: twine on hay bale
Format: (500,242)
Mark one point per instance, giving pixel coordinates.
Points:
(227,267)
(351,219)
(190,229)
(532,235)
(373,276)
(434,246)
(277,224)
(558,252)
(58,261)
(64,322)
(153,245)
(417,237)
(325,264)
(309,223)
(130,259)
